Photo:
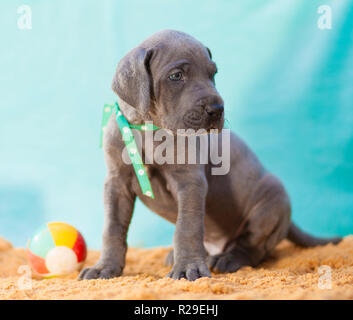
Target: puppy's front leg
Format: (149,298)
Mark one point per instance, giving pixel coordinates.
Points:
(189,251)
(118,204)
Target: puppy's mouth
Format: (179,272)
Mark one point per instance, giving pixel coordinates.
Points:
(197,121)
(218,125)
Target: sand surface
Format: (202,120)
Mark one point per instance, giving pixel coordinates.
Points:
(290,273)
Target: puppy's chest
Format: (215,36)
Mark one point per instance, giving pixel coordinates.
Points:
(164,203)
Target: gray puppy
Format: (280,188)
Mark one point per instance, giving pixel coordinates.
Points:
(227,221)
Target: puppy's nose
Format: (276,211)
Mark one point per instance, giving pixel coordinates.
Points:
(214,110)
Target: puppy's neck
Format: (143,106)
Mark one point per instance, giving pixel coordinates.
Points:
(130,113)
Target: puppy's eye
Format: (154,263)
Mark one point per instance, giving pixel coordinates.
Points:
(177,76)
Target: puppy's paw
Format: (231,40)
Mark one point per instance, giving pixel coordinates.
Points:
(100,272)
(228,262)
(190,270)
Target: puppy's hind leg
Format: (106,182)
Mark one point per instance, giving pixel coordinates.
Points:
(229,261)
(268,220)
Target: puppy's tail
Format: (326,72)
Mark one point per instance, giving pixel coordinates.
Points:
(305,240)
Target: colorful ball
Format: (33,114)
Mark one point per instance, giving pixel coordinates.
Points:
(56,249)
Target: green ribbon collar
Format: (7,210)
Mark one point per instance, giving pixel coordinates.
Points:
(129,140)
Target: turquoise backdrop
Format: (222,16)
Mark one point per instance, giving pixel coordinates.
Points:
(287,86)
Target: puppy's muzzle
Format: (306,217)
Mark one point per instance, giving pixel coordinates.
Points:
(193,119)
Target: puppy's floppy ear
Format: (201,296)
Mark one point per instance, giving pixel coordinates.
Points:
(132,80)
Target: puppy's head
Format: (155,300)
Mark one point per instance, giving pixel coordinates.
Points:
(169,78)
